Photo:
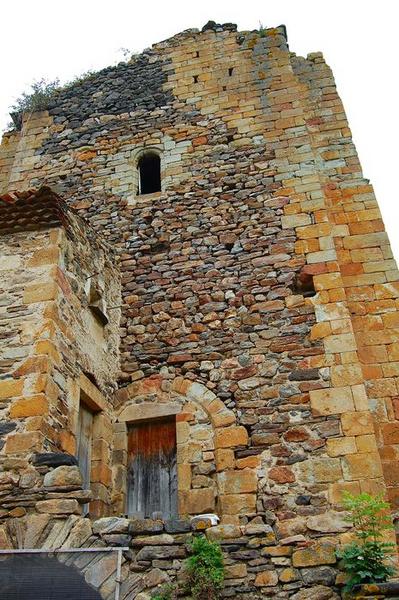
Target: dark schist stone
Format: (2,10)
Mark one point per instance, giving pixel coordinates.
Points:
(177,526)
(140,526)
(115,539)
(54,459)
(160,552)
(303,500)
(137,85)
(7,427)
(213,26)
(322,575)
(304,375)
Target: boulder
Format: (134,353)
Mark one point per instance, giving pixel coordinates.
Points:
(266,579)
(329,522)
(63,476)
(319,554)
(323,575)
(58,507)
(223,532)
(111,525)
(319,592)
(145,526)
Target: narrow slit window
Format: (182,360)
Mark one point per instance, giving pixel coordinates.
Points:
(149,167)
(152,470)
(195,78)
(84,446)
(231,70)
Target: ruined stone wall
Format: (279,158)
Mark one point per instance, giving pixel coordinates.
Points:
(51,342)
(261,185)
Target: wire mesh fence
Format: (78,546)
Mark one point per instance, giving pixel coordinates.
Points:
(73,574)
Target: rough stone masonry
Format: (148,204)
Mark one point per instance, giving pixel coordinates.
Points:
(257,311)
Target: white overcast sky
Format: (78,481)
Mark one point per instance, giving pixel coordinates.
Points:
(53,39)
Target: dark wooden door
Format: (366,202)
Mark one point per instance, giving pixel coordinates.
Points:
(152,472)
(84,443)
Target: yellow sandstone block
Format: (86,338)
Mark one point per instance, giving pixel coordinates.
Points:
(336,490)
(344,342)
(357,423)
(331,401)
(346,375)
(366,443)
(31,406)
(224,459)
(9,388)
(40,292)
(361,466)
(327,281)
(23,442)
(44,256)
(228,437)
(341,446)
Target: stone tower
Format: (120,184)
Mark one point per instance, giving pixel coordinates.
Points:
(252,345)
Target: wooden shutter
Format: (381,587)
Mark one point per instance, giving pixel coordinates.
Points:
(84,444)
(152,472)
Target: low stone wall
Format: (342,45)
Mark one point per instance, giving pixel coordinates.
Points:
(42,508)
(257,565)
(374,591)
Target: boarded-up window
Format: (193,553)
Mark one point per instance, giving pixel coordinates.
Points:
(152,473)
(84,446)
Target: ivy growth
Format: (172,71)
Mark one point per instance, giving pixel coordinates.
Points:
(205,569)
(366,560)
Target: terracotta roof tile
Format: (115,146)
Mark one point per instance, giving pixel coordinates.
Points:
(31,211)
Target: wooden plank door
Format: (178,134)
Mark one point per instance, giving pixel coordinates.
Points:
(84,445)
(152,471)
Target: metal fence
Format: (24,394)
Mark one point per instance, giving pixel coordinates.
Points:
(62,574)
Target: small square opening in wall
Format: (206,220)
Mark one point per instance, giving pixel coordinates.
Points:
(304,285)
(195,78)
(94,291)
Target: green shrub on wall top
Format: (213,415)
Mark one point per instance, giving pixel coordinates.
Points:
(38,98)
(366,560)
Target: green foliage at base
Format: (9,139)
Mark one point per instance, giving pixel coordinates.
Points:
(366,560)
(205,569)
(168,592)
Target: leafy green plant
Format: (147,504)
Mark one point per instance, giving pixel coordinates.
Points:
(168,592)
(38,98)
(262,30)
(205,569)
(366,559)
(41,93)
(86,76)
